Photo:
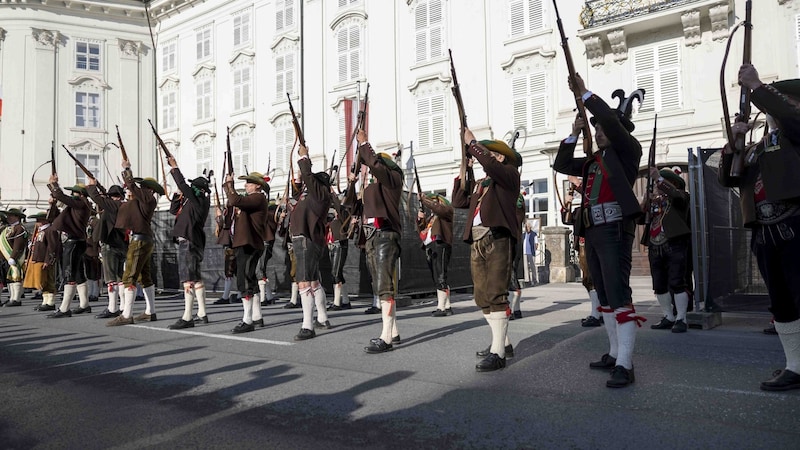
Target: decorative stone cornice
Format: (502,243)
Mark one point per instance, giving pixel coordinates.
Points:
(86,146)
(237,128)
(169,83)
(89,81)
(619,47)
(203,70)
(719,21)
(348,17)
(47,39)
(783,2)
(443,79)
(131,49)
(242,56)
(594,50)
(525,60)
(691,27)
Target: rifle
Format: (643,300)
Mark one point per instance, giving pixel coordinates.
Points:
(333,167)
(160,141)
(651,162)
(416,175)
(462,116)
(53,157)
(84,169)
(298,131)
(743,115)
(514,140)
(355,130)
(121,146)
(587,131)
(350,198)
(228,153)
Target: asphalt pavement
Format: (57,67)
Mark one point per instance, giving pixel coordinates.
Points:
(74,383)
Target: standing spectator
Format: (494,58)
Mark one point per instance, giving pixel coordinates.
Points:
(531,241)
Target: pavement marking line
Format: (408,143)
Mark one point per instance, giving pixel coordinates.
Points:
(217,336)
(728,391)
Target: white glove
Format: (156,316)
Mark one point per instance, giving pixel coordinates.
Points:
(11,262)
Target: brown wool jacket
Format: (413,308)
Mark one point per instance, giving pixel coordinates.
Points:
(382,199)
(74,218)
(137,213)
(108,234)
(442,227)
(248,226)
(309,214)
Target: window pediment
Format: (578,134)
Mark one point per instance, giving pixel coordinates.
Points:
(86,146)
(242,57)
(89,81)
(348,18)
(203,71)
(528,60)
(243,127)
(203,136)
(281,117)
(285,43)
(430,84)
(169,83)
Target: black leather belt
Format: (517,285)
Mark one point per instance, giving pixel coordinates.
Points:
(141,237)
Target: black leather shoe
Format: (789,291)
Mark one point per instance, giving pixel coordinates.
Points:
(243,328)
(621,377)
(439,313)
(783,380)
(378,345)
(679,327)
(448,311)
(517,315)
(181,324)
(305,334)
(235,299)
(45,308)
(590,321)
(198,319)
(291,305)
(396,339)
(488,351)
(37,296)
(341,307)
(607,362)
(259,322)
(372,310)
(58,314)
(92,298)
(491,363)
(663,325)
(222,301)
(106,314)
(80,310)
(13,303)
(3,303)
(326,325)
(771,330)
(267,302)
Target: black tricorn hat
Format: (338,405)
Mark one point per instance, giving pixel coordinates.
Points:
(116,190)
(625,107)
(323,178)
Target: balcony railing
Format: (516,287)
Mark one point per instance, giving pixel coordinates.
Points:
(601,12)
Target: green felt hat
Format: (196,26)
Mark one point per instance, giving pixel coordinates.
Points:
(151,183)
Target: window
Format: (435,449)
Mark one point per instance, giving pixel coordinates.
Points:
(204,99)
(526,16)
(241,151)
(241,28)
(284,139)
(430,121)
(284,75)
(92,162)
(284,15)
(536,200)
(202,148)
(657,71)
(531,103)
(429,29)
(169,110)
(349,50)
(169,56)
(87,56)
(203,38)
(242,88)
(87,110)
(346,3)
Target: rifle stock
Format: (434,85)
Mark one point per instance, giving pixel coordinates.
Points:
(587,131)
(121,146)
(462,117)
(298,131)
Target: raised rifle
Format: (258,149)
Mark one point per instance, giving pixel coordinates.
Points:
(587,131)
(298,131)
(83,168)
(333,168)
(228,153)
(53,157)
(161,143)
(359,124)
(514,140)
(743,115)
(416,175)
(648,203)
(350,200)
(463,173)
(121,146)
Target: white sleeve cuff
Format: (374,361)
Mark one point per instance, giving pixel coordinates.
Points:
(571,139)
(585,96)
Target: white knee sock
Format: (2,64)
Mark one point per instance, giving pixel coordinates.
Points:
(150,299)
(200,295)
(789,332)
(337,294)
(376,301)
(247,307)
(498,322)
(307,300)
(295,291)
(48,298)
(69,292)
(112,297)
(319,301)
(83,294)
(129,294)
(447,298)
(440,299)
(388,315)
(595,304)
(262,290)
(626,333)
(188,299)
(256,308)
(610,321)
(665,300)
(681,304)
(15,291)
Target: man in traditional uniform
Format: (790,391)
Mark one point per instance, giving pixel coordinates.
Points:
(72,222)
(668,247)
(264,288)
(514,287)
(92,265)
(491,203)
(190,208)
(45,253)
(113,243)
(436,233)
(609,211)
(382,227)
(248,240)
(338,243)
(13,243)
(307,228)
(770,201)
(224,219)
(135,216)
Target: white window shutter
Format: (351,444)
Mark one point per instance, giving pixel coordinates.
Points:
(539,111)
(246,83)
(535,15)
(342,51)
(199,112)
(289,73)
(279,18)
(355,55)
(516,12)
(437,121)
(646,81)
(519,95)
(289,14)
(436,24)
(421,31)
(423,122)
(670,89)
